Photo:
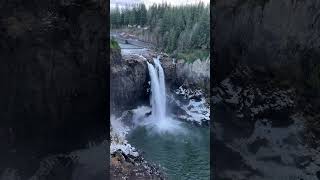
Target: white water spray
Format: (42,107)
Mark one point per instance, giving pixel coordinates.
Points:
(159,119)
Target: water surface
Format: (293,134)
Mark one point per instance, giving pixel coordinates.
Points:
(182,156)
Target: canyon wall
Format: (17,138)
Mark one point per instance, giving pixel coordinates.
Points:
(53,68)
(276,38)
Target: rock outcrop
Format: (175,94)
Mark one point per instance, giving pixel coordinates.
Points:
(195,74)
(129,167)
(128,81)
(260,129)
(266,84)
(53,68)
(277,37)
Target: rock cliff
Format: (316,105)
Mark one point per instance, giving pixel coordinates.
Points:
(130,77)
(128,81)
(265,95)
(53,68)
(276,37)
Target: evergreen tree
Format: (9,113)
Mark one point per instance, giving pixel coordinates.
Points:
(174,28)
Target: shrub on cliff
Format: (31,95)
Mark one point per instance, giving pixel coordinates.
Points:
(114,44)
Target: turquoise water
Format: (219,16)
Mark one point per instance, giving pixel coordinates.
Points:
(182,156)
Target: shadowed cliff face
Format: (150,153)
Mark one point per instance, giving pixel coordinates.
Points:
(273,36)
(128,81)
(265,99)
(53,69)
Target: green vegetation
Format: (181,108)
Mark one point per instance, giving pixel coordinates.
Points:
(114,44)
(180,30)
(192,55)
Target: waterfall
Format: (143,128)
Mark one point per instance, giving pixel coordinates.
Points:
(158,91)
(160,121)
(162,84)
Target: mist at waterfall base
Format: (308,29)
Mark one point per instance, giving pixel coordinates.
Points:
(158,121)
(179,148)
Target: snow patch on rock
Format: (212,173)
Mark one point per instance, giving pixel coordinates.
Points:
(118,138)
(197,109)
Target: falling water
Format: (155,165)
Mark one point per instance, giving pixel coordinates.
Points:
(158,95)
(162,84)
(159,118)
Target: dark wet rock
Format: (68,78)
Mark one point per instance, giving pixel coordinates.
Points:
(52,69)
(251,100)
(85,163)
(170,70)
(261,122)
(115,57)
(125,166)
(129,82)
(197,98)
(264,105)
(226,158)
(257,144)
(282,39)
(56,167)
(148,114)
(264,152)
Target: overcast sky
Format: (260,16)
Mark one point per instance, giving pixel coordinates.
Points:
(113,3)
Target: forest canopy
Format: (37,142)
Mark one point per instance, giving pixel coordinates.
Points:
(174,28)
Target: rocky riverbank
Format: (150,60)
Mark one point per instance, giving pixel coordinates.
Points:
(125,161)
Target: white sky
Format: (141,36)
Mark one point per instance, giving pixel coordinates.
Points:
(120,3)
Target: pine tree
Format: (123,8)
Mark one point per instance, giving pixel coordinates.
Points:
(174,28)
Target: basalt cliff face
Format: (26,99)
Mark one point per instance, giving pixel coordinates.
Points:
(271,36)
(265,96)
(129,81)
(53,68)
(276,39)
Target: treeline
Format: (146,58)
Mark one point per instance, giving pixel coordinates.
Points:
(136,15)
(178,28)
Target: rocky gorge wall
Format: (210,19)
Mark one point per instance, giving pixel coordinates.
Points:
(128,81)
(52,69)
(265,89)
(276,37)
(196,74)
(130,76)
(277,40)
